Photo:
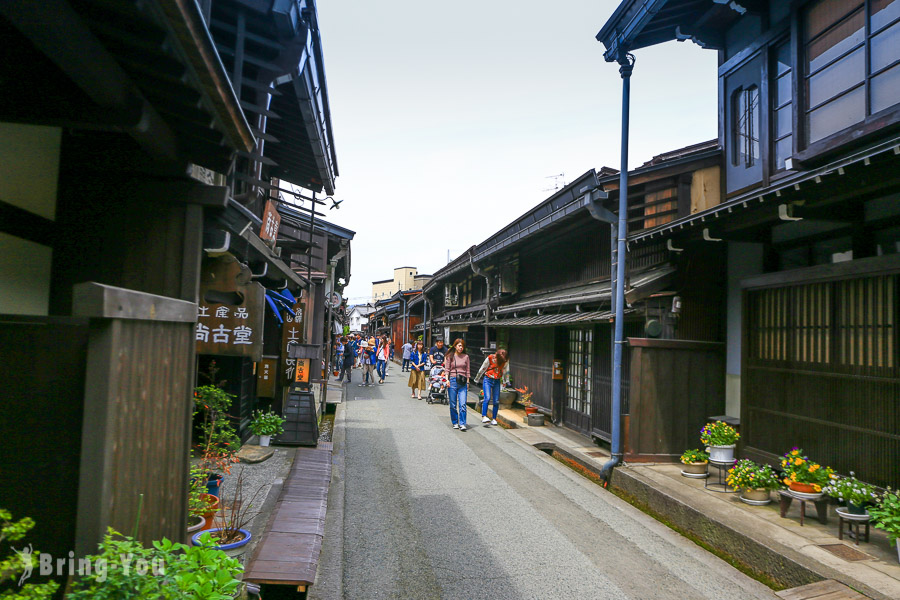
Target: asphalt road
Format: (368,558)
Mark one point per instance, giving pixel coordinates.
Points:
(432,512)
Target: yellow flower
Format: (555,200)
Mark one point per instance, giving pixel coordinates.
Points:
(793,476)
(784,463)
(794,452)
(787,481)
(817,487)
(798,461)
(814,468)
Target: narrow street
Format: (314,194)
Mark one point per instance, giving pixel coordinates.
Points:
(431,512)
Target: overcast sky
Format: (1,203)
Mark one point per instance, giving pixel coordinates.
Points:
(451,119)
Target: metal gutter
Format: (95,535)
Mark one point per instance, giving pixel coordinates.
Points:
(774,191)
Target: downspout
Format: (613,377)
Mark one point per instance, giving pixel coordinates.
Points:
(487,299)
(626,62)
(405,320)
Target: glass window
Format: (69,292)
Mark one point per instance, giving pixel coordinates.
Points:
(782,106)
(745,128)
(840,89)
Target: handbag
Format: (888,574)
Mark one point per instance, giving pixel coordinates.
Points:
(462,380)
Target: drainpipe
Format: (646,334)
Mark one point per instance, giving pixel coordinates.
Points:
(487,304)
(626,62)
(405,320)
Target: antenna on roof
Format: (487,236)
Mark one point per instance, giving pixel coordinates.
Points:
(559,182)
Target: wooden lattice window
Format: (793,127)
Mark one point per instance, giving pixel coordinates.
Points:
(660,207)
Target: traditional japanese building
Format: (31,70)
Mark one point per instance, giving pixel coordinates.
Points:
(809,109)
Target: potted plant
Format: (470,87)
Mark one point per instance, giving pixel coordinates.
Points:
(508,395)
(265,425)
(695,463)
(886,515)
(720,439)
(229,532)
(525,400)
(755,481)
(856,494)
(219,442)
(804,477)
(167,570)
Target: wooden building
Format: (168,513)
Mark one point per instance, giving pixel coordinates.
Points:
(540,287)
(131,135)
(809,112)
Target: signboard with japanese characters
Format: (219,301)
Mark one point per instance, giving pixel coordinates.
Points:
(270,223)
(291,333)
(301,373)
(230,310)
(265,377)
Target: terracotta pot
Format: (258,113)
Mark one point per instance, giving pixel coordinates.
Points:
(805,488)
(696,468)
(530,410)
(757,495)
(213,509)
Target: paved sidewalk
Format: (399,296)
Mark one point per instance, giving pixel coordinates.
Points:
(758,536)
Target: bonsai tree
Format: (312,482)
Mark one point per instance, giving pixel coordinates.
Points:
(266,423)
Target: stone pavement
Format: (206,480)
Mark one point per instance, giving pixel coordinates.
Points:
(756,536)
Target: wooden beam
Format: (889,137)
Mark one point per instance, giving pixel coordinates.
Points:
(95,300)
(186,192)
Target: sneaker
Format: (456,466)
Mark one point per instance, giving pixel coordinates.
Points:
(455,426)
(485,420)
(462,427)
(493,421)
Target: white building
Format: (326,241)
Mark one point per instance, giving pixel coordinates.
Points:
(358,316)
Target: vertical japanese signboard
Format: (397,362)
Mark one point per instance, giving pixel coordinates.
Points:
(270,222)
(265,377)
(301,371)
(230,311)
(291,333)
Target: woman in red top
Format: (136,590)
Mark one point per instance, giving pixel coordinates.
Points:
(456,366)
(494,369)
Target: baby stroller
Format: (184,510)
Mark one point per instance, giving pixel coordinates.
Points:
(437,386)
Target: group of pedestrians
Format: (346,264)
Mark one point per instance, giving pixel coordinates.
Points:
(457,369)
(367,355)
(355,351)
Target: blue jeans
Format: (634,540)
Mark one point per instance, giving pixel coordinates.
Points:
(381,368)
(491,389)
(406,364)
(457,396)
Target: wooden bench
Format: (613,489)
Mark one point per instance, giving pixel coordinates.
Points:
(288,553)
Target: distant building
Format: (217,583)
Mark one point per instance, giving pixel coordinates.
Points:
(358,316)
(405,278)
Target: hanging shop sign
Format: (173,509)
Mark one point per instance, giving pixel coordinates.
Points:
(230,311)
(291,333)
(270,223)
(301,372)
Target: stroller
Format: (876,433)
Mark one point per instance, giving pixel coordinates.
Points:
(437,386)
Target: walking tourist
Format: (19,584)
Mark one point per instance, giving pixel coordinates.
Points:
(494,369)
(407,351)
(456,365)
(382,352)
(417,361)
(365,361)
(348,359)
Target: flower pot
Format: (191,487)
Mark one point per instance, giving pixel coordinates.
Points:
(507,397)
(756,496)
(195,523)
(803,488)
(722,454)
(856,509)
(530,410)
(211,513)
(695,468)
(234,549)
(264,440)
(535,420)
(213,483)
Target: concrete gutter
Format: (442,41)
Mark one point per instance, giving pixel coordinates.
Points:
(329,582)
(753,538)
